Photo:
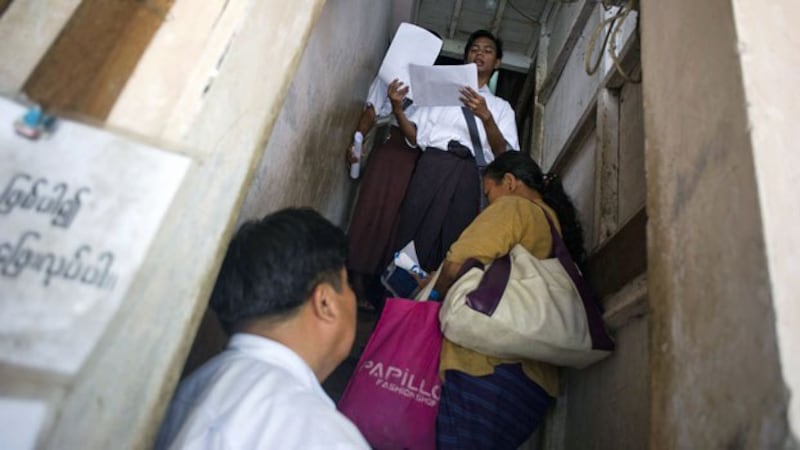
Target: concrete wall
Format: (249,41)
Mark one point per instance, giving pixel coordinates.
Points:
(607,405)
(770,64)
(717,379)
(303,164)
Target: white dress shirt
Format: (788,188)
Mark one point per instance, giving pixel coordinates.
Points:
(257,394)
(438,125)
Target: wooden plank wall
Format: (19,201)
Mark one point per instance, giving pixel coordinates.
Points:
(4,4)
(87,66)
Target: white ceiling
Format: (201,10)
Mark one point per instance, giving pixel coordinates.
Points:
(516,22)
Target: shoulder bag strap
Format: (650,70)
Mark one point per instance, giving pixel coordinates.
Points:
(472,125)
(594,315)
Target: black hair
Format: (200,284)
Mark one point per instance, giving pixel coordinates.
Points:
(525,169)
(273,265)
(498,43)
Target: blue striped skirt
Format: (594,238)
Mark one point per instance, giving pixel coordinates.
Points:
(497,411)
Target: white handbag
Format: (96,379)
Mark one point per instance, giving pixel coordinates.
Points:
(521,307)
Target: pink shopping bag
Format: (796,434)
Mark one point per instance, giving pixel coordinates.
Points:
(393,396)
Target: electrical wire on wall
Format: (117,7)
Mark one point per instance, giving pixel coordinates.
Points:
(614,24)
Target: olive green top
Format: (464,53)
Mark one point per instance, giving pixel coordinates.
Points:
(508,221)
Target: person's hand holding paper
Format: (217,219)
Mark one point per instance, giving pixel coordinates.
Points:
(475,102)
(442,85)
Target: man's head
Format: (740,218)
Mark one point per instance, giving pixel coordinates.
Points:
(288,268)
(485,50)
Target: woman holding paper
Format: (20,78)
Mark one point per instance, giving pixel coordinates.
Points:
(444,193)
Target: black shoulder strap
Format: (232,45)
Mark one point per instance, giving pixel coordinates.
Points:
(473,134)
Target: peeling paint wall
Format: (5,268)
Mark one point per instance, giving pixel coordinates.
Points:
(303,164)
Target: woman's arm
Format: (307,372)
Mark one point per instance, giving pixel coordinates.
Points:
(491,235)
(447,276)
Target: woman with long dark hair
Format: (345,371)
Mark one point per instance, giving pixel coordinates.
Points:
(489,402)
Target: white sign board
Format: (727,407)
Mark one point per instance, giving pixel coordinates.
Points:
(78,211)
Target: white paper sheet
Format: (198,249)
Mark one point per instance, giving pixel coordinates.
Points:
(411,45)
(439,85)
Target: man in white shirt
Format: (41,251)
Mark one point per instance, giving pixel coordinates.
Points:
(445,190)
(283,294)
